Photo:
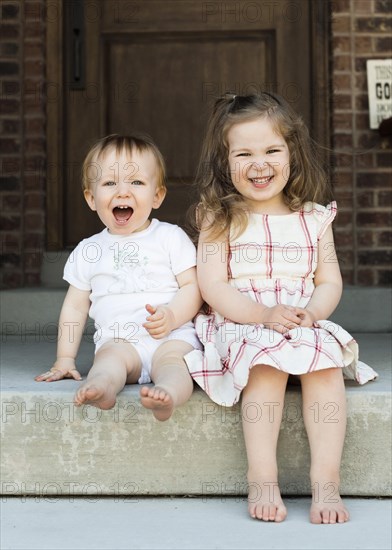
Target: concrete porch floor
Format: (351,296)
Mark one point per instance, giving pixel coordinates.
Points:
(187,523)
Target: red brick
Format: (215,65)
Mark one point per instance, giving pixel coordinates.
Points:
(366,277)
(10,165)
(9,145)
(384,238)
(9,223)
(341,82)
(12,202)
(363,6)
(362,121)
(33,221)
(367,140)
(384,160)
(375,257)
(347,276)
(339,6)
(341,45)
(344,197)
(363,44)
(10,88)
(11,126)
(344,160)
(35,145)
(366,199)
(344,219)
(383,44)
(342,121)
(345,179)
(9,31)
(343,238)
(9,107)
(341,24)
(365,238)
(383,6)
(374,219)
(373,24)
(343,141)
(384,277)
(342,63)
(375,180)
(32,279)
(385,198)
(34,126)
(342,101)
(34,201)
(364,160)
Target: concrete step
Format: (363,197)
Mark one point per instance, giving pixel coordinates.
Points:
(50,447)
(36,310)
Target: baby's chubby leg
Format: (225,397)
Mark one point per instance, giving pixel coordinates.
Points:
(173,383)
(116,363)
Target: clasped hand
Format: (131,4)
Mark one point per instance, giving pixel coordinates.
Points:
(160,322)
(284,318)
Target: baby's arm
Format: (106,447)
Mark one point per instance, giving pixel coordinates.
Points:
(228,301)
(183,307)
(71,324)
(327,281)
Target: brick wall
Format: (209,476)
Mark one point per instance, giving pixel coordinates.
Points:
(361,30)
(22,142)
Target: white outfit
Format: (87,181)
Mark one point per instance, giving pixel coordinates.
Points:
(126,272)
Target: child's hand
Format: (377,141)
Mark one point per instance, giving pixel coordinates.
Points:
(307,317)
(281,318)
(62,368)
(160,322)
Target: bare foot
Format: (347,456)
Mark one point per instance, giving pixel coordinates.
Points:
(265,502)
(327,506)
(95,393)
(158,400)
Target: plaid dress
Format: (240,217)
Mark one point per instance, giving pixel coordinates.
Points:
(273,262)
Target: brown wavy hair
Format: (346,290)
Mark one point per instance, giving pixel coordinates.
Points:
(219,201)
(127,144)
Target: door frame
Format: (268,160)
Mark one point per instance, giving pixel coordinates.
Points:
(55,39)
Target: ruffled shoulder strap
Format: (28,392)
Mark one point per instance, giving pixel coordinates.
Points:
(323,215)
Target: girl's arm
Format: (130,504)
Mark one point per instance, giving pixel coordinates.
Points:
(183,307)
(212,274)
(71,324)
(327,280)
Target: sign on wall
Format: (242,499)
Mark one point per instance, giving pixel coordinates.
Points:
(379,78)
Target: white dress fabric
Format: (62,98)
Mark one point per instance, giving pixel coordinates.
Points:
(273,262)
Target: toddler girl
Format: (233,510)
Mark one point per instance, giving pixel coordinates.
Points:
(267,269)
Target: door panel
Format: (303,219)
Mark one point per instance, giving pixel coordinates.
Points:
(157,67)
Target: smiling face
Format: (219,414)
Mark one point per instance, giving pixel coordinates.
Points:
(259,164)
(124,190)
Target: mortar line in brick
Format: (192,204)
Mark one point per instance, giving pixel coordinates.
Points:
(22,160)
(355,198)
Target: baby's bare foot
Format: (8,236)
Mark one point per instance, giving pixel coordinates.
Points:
(327,506)
(265,502)
(96,394)
(158,400)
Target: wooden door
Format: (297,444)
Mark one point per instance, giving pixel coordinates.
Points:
(157,66)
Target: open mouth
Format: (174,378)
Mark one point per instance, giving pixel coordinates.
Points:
(261,182)
(122,214)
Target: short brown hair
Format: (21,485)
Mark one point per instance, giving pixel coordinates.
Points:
(126,144)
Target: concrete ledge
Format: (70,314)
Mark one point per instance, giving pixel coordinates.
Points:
(51,447)
(36,310)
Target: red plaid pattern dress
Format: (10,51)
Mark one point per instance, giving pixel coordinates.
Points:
(273,262)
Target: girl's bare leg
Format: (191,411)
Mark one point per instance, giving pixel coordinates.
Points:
(262,409)
(324,411)
(173,383)
(115,364)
